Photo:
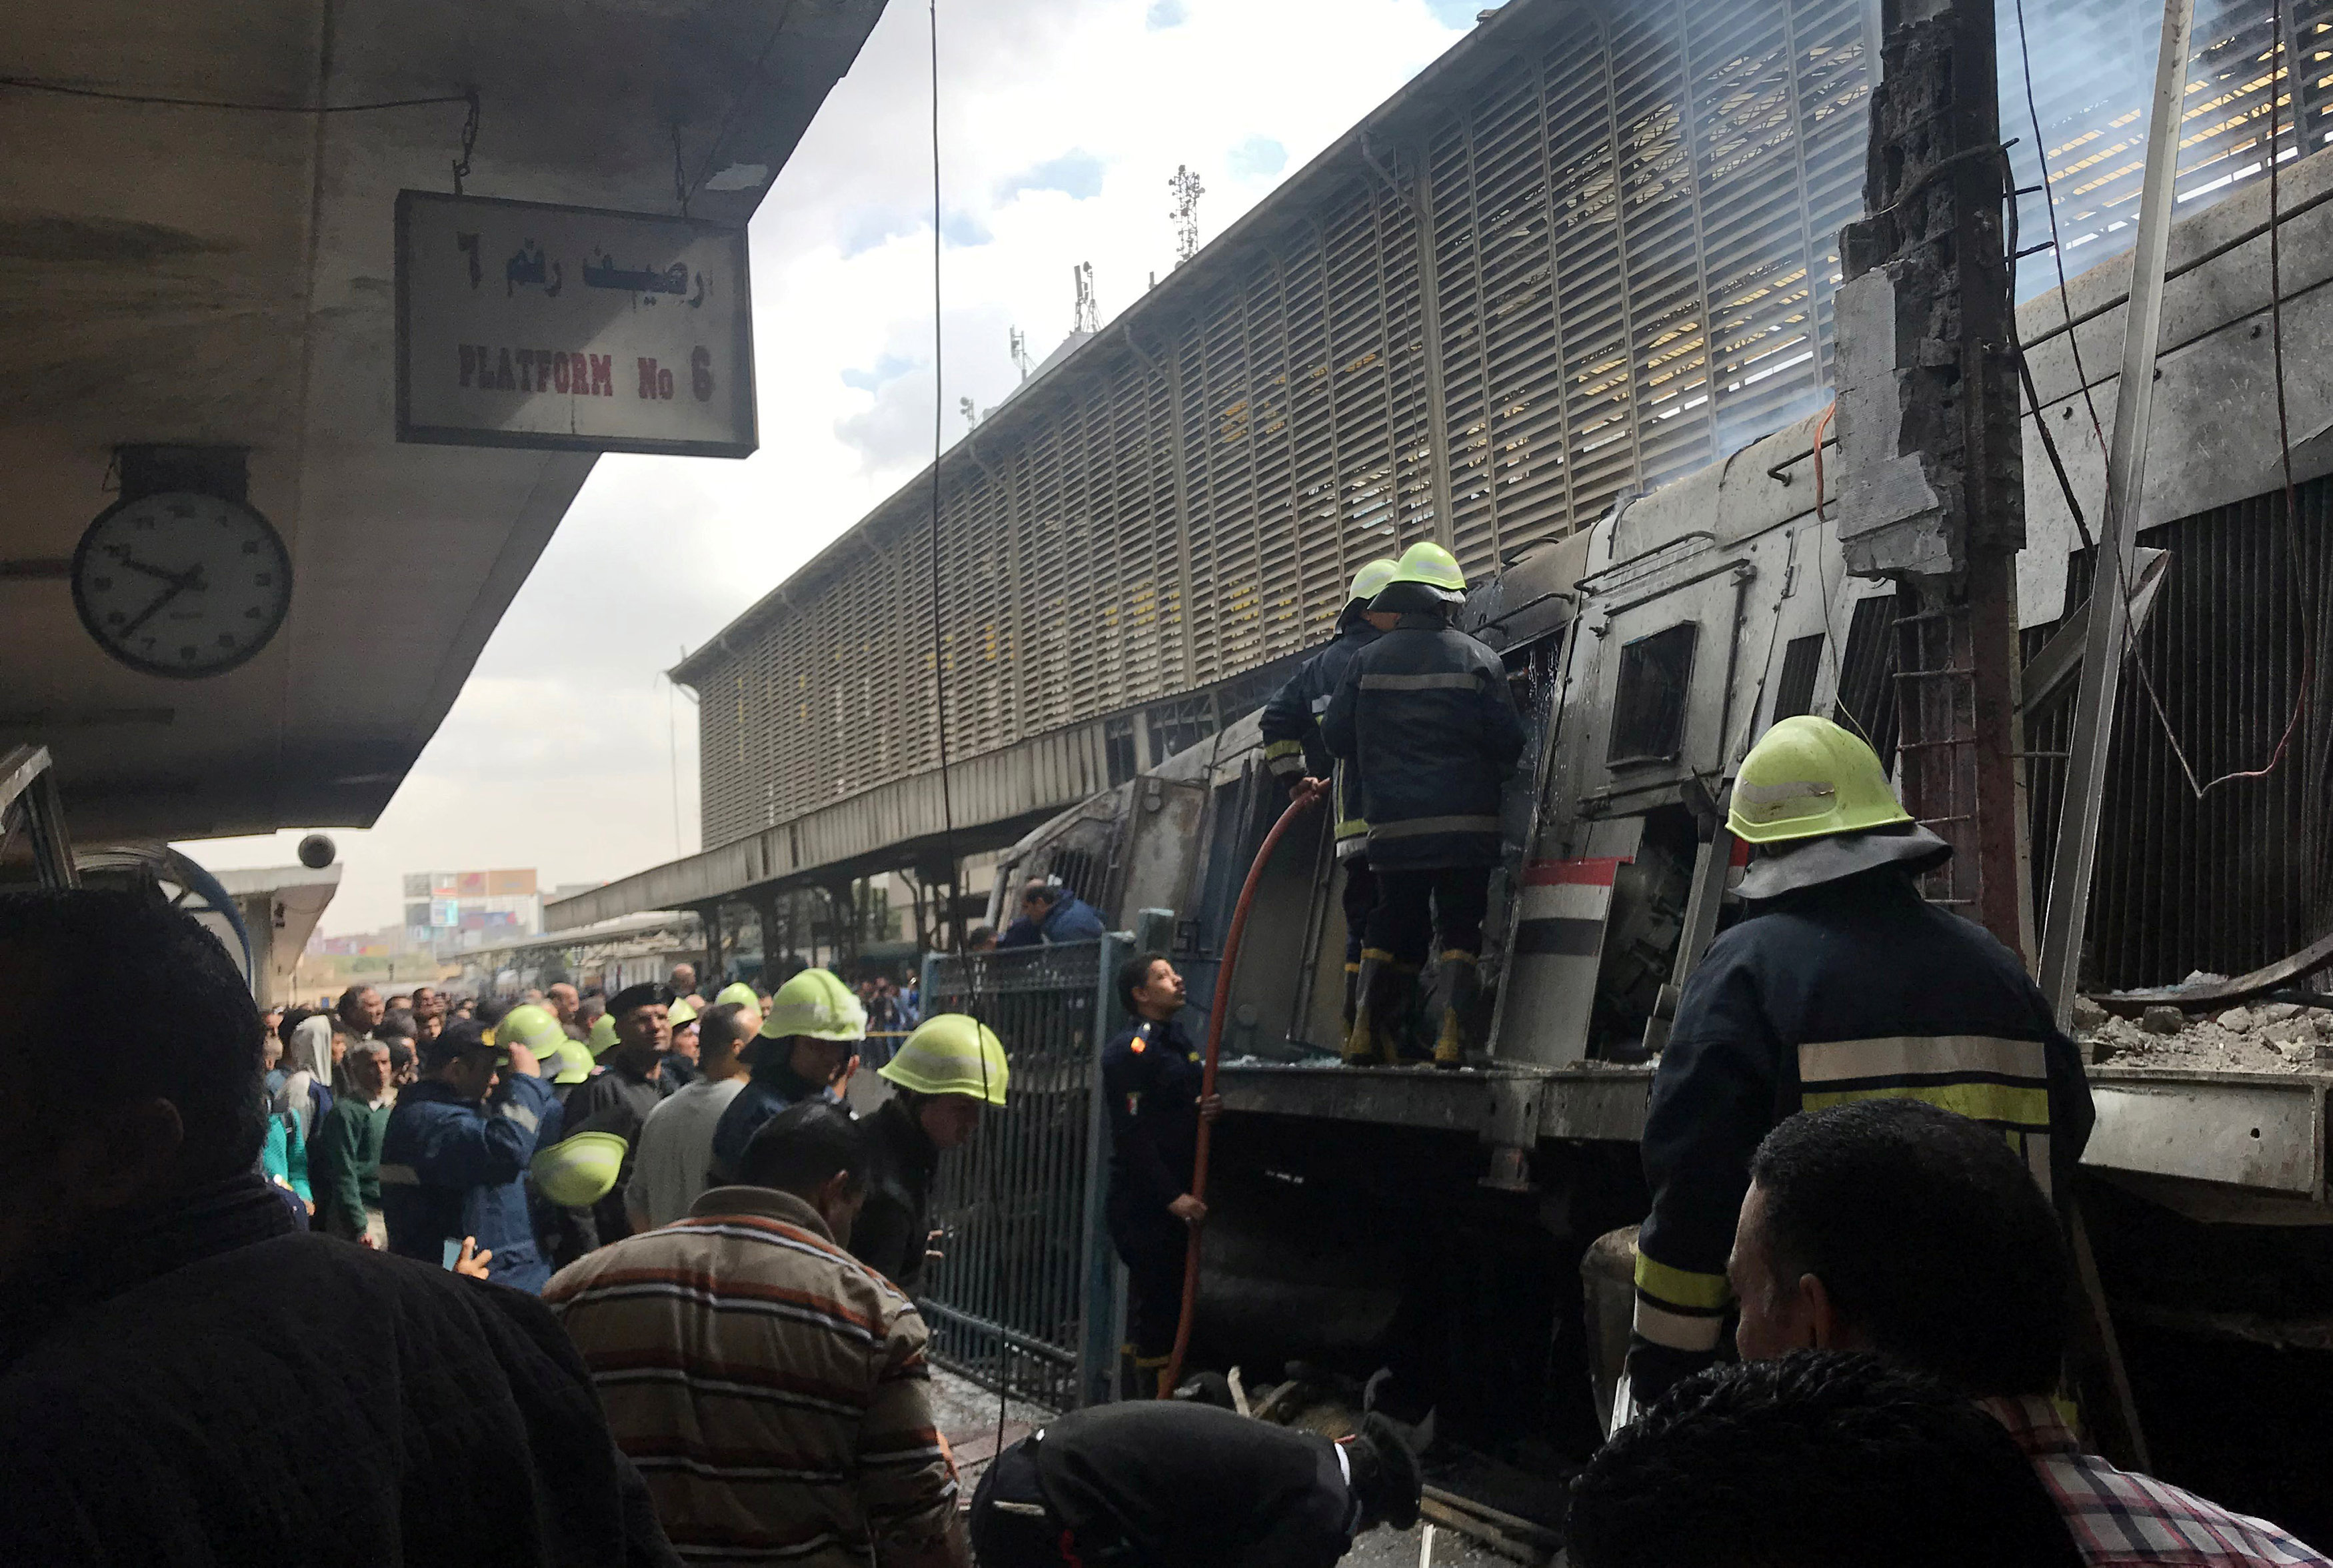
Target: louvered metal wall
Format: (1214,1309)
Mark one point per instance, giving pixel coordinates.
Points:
(1594,249)
(2093,73)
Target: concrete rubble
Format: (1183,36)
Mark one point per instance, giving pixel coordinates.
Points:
(2260,1037)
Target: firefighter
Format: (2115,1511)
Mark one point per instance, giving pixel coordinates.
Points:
(1424,714)
(1844,984)
(1151,1074)
(1292,750)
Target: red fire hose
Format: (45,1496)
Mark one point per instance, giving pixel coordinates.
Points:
(1306,794)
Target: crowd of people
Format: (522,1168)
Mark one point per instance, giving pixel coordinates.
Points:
(412,1280)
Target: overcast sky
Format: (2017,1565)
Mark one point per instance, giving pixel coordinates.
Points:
(1063,121)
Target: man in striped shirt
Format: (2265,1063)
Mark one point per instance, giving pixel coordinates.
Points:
(1897,1227)
(770,1388)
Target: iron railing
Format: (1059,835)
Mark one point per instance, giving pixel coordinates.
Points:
(1023,1297)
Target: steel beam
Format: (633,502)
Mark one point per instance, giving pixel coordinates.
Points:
(2068,911)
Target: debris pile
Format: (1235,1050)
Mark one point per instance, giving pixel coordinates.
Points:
(2261,1037)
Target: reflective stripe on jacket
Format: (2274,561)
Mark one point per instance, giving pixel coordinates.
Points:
(1291,730)
(1853,990)
(1426,712)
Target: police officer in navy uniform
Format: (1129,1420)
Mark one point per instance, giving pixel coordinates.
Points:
(1151,1073)
(1292,750)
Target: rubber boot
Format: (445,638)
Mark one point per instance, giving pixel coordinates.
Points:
(1456,991)
(1366,1033)
(1352,995)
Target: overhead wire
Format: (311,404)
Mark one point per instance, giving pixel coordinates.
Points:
(2279,74)
(939,677)
(109,95)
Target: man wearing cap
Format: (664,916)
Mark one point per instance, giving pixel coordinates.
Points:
(453,1160)
(618,1100)
(1169,1484)
(1294,751)
(1424,712)
(808,1048)
(1843,985)
(942,1076)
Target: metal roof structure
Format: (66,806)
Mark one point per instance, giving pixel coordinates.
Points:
(1587,252)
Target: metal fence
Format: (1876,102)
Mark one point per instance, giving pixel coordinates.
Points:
(1023,1297)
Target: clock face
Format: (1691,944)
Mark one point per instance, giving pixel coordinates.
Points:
(181,584)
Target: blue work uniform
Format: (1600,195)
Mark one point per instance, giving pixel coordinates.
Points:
(452,1167)
(1151,1074)
(1071,919)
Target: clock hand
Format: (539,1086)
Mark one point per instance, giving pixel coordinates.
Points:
(168,577)
(177,587)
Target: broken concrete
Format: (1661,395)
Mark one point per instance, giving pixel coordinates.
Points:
(2169,1040)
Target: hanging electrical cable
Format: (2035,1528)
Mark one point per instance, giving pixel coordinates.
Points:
(110,95)
(939,665)
(2279,74)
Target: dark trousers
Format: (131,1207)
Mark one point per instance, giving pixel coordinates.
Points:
(1359,897)
(1154,1247)
(1438,910)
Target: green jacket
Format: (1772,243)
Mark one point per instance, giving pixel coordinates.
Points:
(344,1165)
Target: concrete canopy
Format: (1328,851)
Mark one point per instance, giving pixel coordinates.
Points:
(214,277)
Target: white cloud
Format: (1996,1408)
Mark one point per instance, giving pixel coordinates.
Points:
(1062,120)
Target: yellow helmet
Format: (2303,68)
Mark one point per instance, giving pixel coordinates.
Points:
(571,1060)
(951,1054)
(579,1170)
(603,1035)
(1807,777)
(1370,580)
(536,1028)
(816,1003)
(1432,566)
(738,991)
(680,1014)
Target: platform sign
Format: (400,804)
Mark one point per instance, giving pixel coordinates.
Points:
(524,324)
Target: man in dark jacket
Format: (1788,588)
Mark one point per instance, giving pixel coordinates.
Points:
(1165,1484)
(1151,1075)
(1292,750)
(1425,713)
(942,1077)
(184,1378)
(1050,914)
(1844,985)
(618,1101)
(453,1162)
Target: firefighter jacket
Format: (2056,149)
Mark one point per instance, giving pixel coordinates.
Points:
(1425,713)
(1291,731)
(1152,1074)
(1854,989)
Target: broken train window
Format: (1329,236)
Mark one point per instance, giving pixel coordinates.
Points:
(1656,677)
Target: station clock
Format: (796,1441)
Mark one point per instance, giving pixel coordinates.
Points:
(178,583)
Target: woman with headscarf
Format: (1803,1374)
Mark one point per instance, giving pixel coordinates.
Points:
(307,1068)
